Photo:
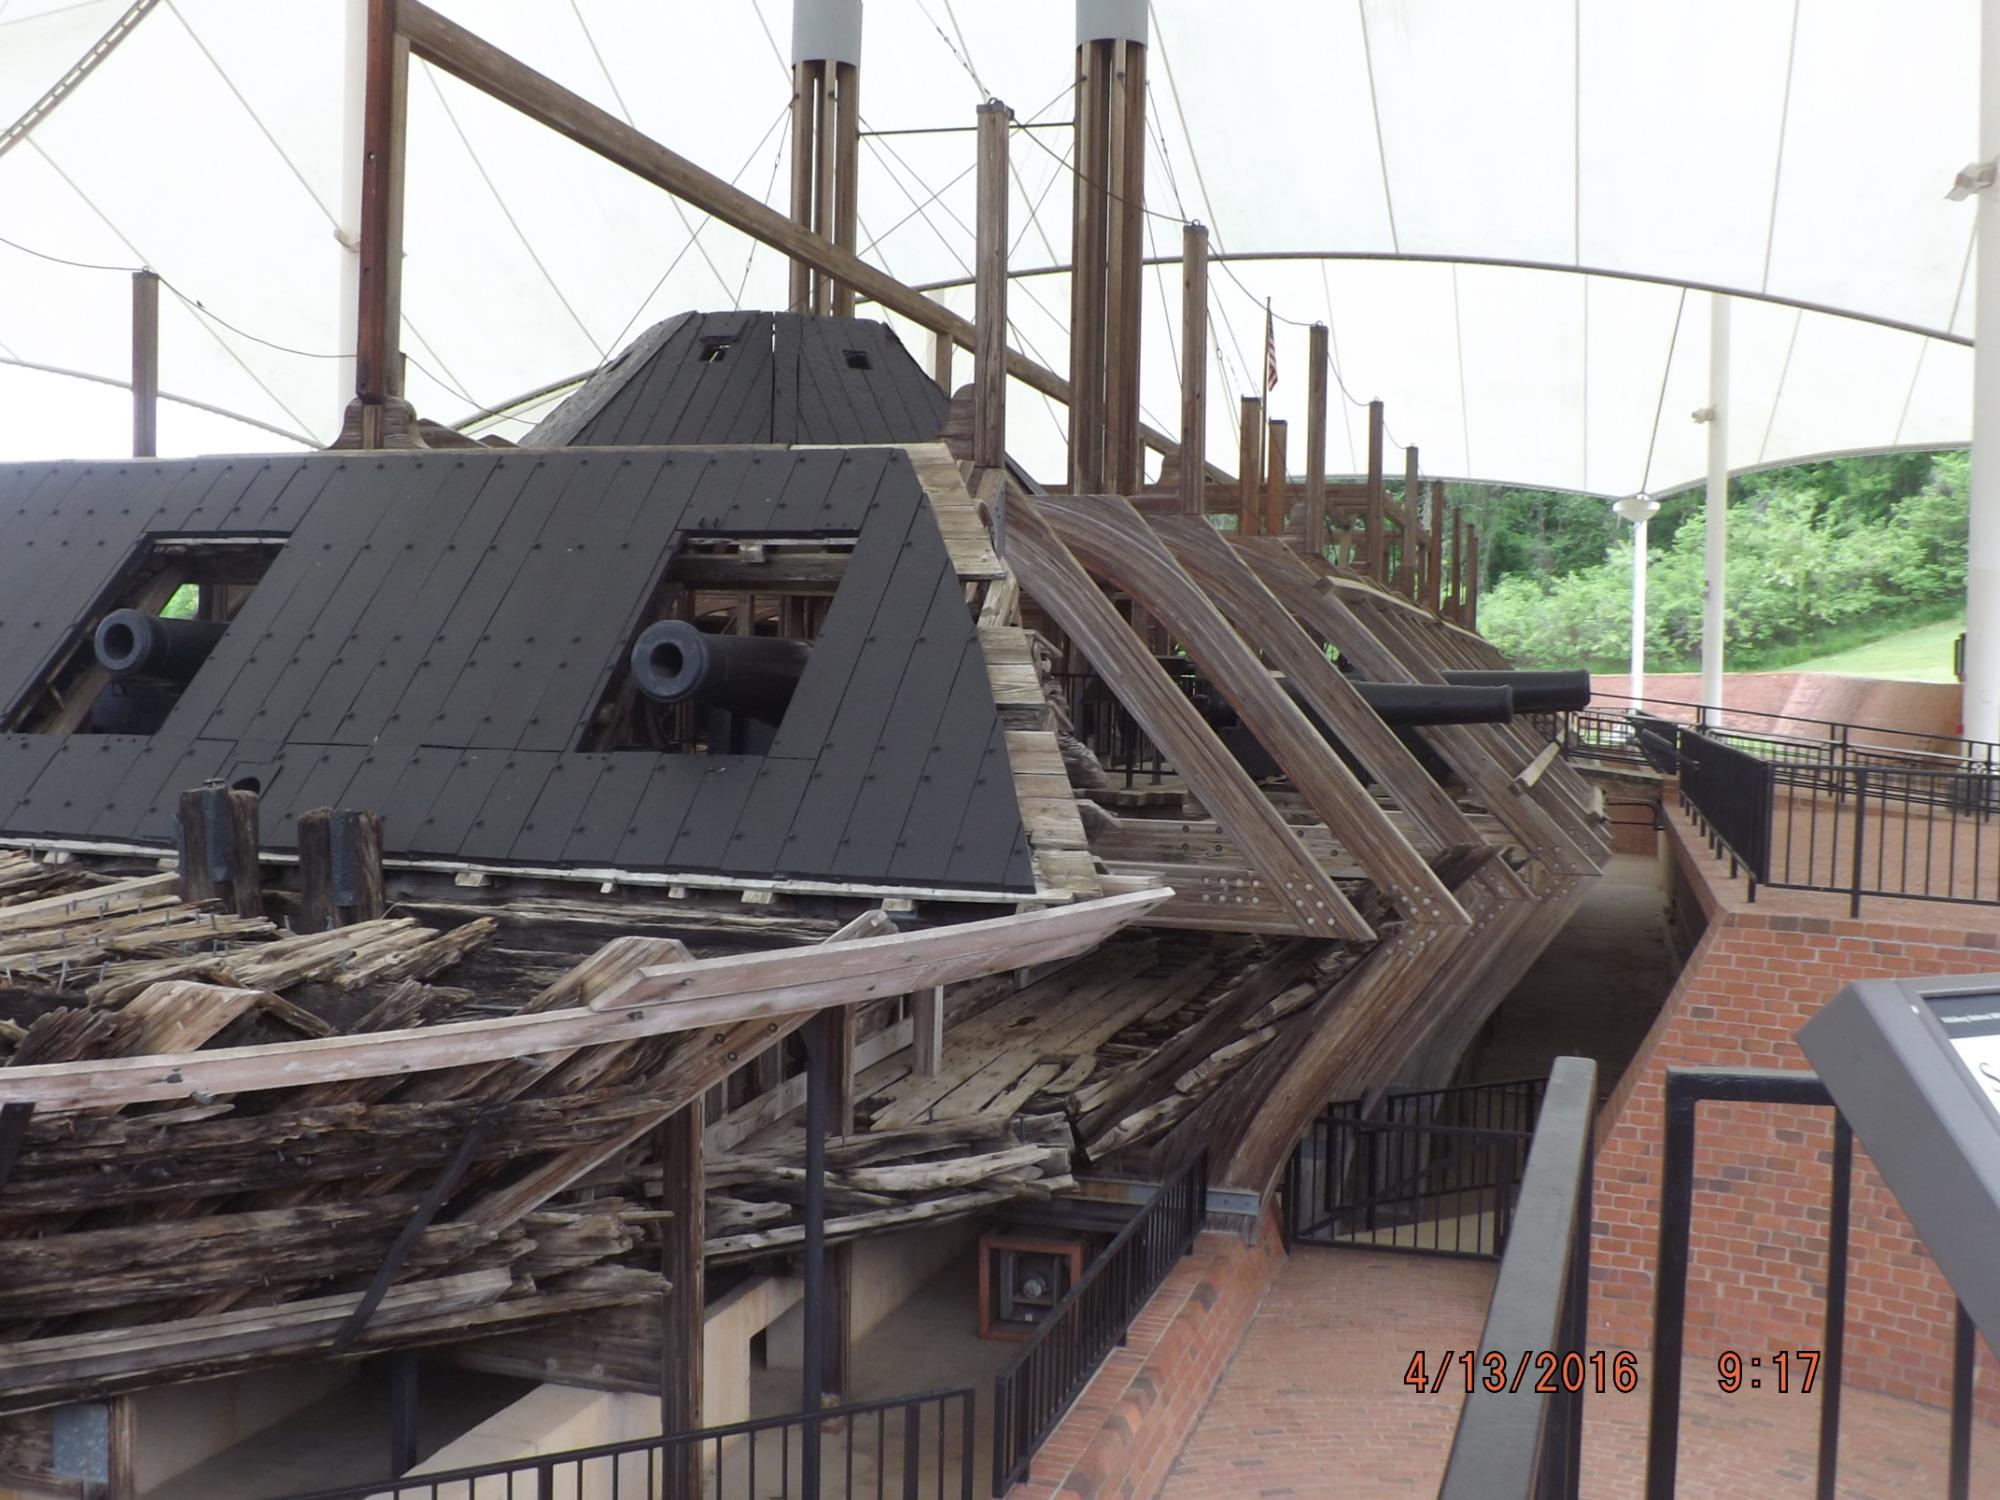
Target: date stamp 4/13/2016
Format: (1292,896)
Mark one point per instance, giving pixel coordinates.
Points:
(1540,1370)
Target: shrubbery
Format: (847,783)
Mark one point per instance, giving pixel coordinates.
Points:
(1807,553)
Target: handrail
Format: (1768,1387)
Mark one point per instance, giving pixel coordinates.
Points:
(1033,1390)
(901,1454)
(1518,1442)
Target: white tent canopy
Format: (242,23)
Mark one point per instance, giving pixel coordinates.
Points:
(1498,209)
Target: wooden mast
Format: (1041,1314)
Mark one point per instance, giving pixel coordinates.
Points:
(1194,369)
(989,366)
(1108,250)
(378,416)
(826,143)
(1316,399)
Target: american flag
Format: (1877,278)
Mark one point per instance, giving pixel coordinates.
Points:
(1270,349)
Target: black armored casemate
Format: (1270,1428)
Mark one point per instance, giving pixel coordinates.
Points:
(447,637)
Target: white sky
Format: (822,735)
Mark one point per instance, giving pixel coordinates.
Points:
(1800,151)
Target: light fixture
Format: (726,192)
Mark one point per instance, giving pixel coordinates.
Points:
(1976,178)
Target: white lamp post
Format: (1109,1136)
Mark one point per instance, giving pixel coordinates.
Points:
(1638,509)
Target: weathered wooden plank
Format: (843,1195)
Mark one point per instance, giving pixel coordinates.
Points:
(1116,542)
(1061,586)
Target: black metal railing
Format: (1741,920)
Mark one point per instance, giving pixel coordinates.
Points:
(1525,1438)
(1035,1388)
(1733,791)
(1686,1090)
(1837,742)
(907,1448)
(1881,826)
(1435,1172)
(1104,724)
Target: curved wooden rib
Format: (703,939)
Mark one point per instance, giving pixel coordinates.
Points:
(1114,541)
(1322,611)
(717,993)
(1219,569)
(1060,585)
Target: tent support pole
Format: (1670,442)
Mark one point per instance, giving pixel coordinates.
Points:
(1981,711)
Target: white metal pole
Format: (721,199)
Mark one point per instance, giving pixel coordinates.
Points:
(353,102)
(1718,498)
(1981,698)
(1638,684)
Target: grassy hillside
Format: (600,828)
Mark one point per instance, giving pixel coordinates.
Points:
(1922,654)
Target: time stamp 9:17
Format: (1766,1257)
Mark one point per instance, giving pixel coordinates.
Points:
(1546,1372)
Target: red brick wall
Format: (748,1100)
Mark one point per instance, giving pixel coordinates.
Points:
(1762,1173)
(1126,1429)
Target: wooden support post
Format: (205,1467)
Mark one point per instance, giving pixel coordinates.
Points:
(1407,536)
(1377,566)
(927,1031)
(1277,479)
(1469,614)
(1317,365)
(826,150)
(1089,267)
(682,1239)
(1194,369)
(839,1368)
(805,93)
(847,166)
(1457,610)
(449,46)
(340,868)
(1434,550)
(122,1457)
(941,353)
(989,361)
(145,364)
(1291,885)
(1124,453)
(380,418)
(218,849)
(1250,469)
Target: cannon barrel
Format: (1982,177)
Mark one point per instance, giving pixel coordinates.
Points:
(1414,704)
(754,676)
(131,643)
(1534,692)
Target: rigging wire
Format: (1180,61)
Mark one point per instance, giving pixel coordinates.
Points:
(770,187)
(138,254)
(1673,342)
(507,213)
(680,209)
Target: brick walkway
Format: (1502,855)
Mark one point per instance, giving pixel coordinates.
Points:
(1313,1405)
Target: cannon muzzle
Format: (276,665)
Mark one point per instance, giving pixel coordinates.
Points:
(1414,704)
(131,643)
(1534,692)
(751,676)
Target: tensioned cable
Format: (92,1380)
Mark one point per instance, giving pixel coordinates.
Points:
(1778,163)
(1784,371)
(255,119)
(507,213)
(139,255)
(1333,359)
(8,358)
(1923,348)
(1464,417)
(1673,342)
(270,137)
(680,209)
(1375,109)
(770,187)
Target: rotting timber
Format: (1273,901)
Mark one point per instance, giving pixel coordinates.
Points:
(234,1124)
(420,966)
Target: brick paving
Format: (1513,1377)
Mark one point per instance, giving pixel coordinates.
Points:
(1313,1404)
